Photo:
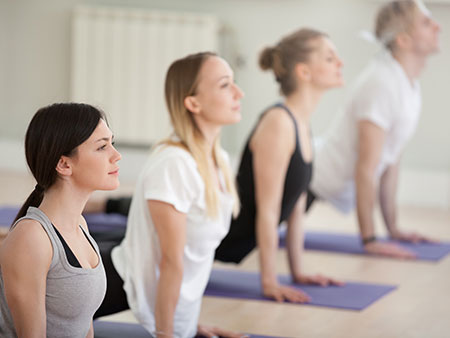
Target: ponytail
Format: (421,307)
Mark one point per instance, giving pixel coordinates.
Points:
(34,200)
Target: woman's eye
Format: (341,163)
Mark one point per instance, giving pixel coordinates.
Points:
(102,147)
(224,85)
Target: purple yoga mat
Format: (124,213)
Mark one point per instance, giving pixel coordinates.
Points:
(351,244)
(7,215)
(247,285)
(104,329)
(95,221)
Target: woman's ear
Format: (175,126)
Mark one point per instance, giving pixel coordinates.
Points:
(302,72)
(192,104)
(64,167)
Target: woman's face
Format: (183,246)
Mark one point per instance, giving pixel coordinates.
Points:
(94,166)
(217,96)
(424,34)
(325,65)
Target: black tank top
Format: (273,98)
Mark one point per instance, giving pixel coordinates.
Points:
(241,238)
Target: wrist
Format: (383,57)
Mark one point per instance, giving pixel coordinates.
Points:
(269,282)
(368,239)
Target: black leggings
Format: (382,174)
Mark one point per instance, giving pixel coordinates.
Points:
(121,205)
(115,299)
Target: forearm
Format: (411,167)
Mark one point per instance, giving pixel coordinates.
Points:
(365,202)
(295,237)
(168,292)
(294,246)
(267,241)
(387,197)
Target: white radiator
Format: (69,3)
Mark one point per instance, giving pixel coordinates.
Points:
(119,61)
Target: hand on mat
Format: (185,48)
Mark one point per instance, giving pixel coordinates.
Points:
(389,250)
(317,279)
(412,237)
(213,332)
(281,293)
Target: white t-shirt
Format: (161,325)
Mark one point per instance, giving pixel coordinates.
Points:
(383,95)
(170,175)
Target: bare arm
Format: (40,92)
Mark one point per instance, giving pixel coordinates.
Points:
(170,225)
(371,141)
(387,195)
(272,146)
(295,245)
(91,331)
(25,258)
(295,238)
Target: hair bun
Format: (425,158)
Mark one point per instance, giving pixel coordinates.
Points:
(266,58)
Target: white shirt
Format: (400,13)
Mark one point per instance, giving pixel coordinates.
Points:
(383,95)
(170,175)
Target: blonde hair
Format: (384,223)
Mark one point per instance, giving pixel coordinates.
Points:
(181,82)
(393,18)
(282,58)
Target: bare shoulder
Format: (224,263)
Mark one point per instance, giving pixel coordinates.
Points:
(275,128)
(276,119)
(27,240)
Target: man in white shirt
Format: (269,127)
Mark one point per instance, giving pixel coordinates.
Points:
(360,156)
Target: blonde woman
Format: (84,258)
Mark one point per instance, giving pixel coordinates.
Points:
(182,205)
(276,164)
(359,160)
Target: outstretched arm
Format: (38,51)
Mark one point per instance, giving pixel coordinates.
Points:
(371,140)
(295,244)
(170,225)
(272,146)
(388,205)
(387,195)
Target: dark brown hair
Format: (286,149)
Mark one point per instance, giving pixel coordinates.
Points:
(54,131)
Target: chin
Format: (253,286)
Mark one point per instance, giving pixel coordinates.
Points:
(110,186)
(335,85)
(234,119)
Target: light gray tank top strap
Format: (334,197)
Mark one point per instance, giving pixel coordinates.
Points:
(39,216)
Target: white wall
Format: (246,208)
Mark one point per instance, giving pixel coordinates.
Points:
(3,62)
(37,62)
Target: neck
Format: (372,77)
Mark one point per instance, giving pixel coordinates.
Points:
(210,133)
(412,64)
(63,203)
(303,102)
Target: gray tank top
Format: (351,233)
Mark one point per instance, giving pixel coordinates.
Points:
(72,295)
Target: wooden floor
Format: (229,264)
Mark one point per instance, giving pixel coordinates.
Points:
(420,307)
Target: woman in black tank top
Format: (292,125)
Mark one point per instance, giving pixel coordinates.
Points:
(276,165)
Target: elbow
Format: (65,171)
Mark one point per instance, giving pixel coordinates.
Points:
(171,265)
(267,217)
(364,173)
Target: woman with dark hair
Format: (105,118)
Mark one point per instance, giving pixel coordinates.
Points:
(52,278)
